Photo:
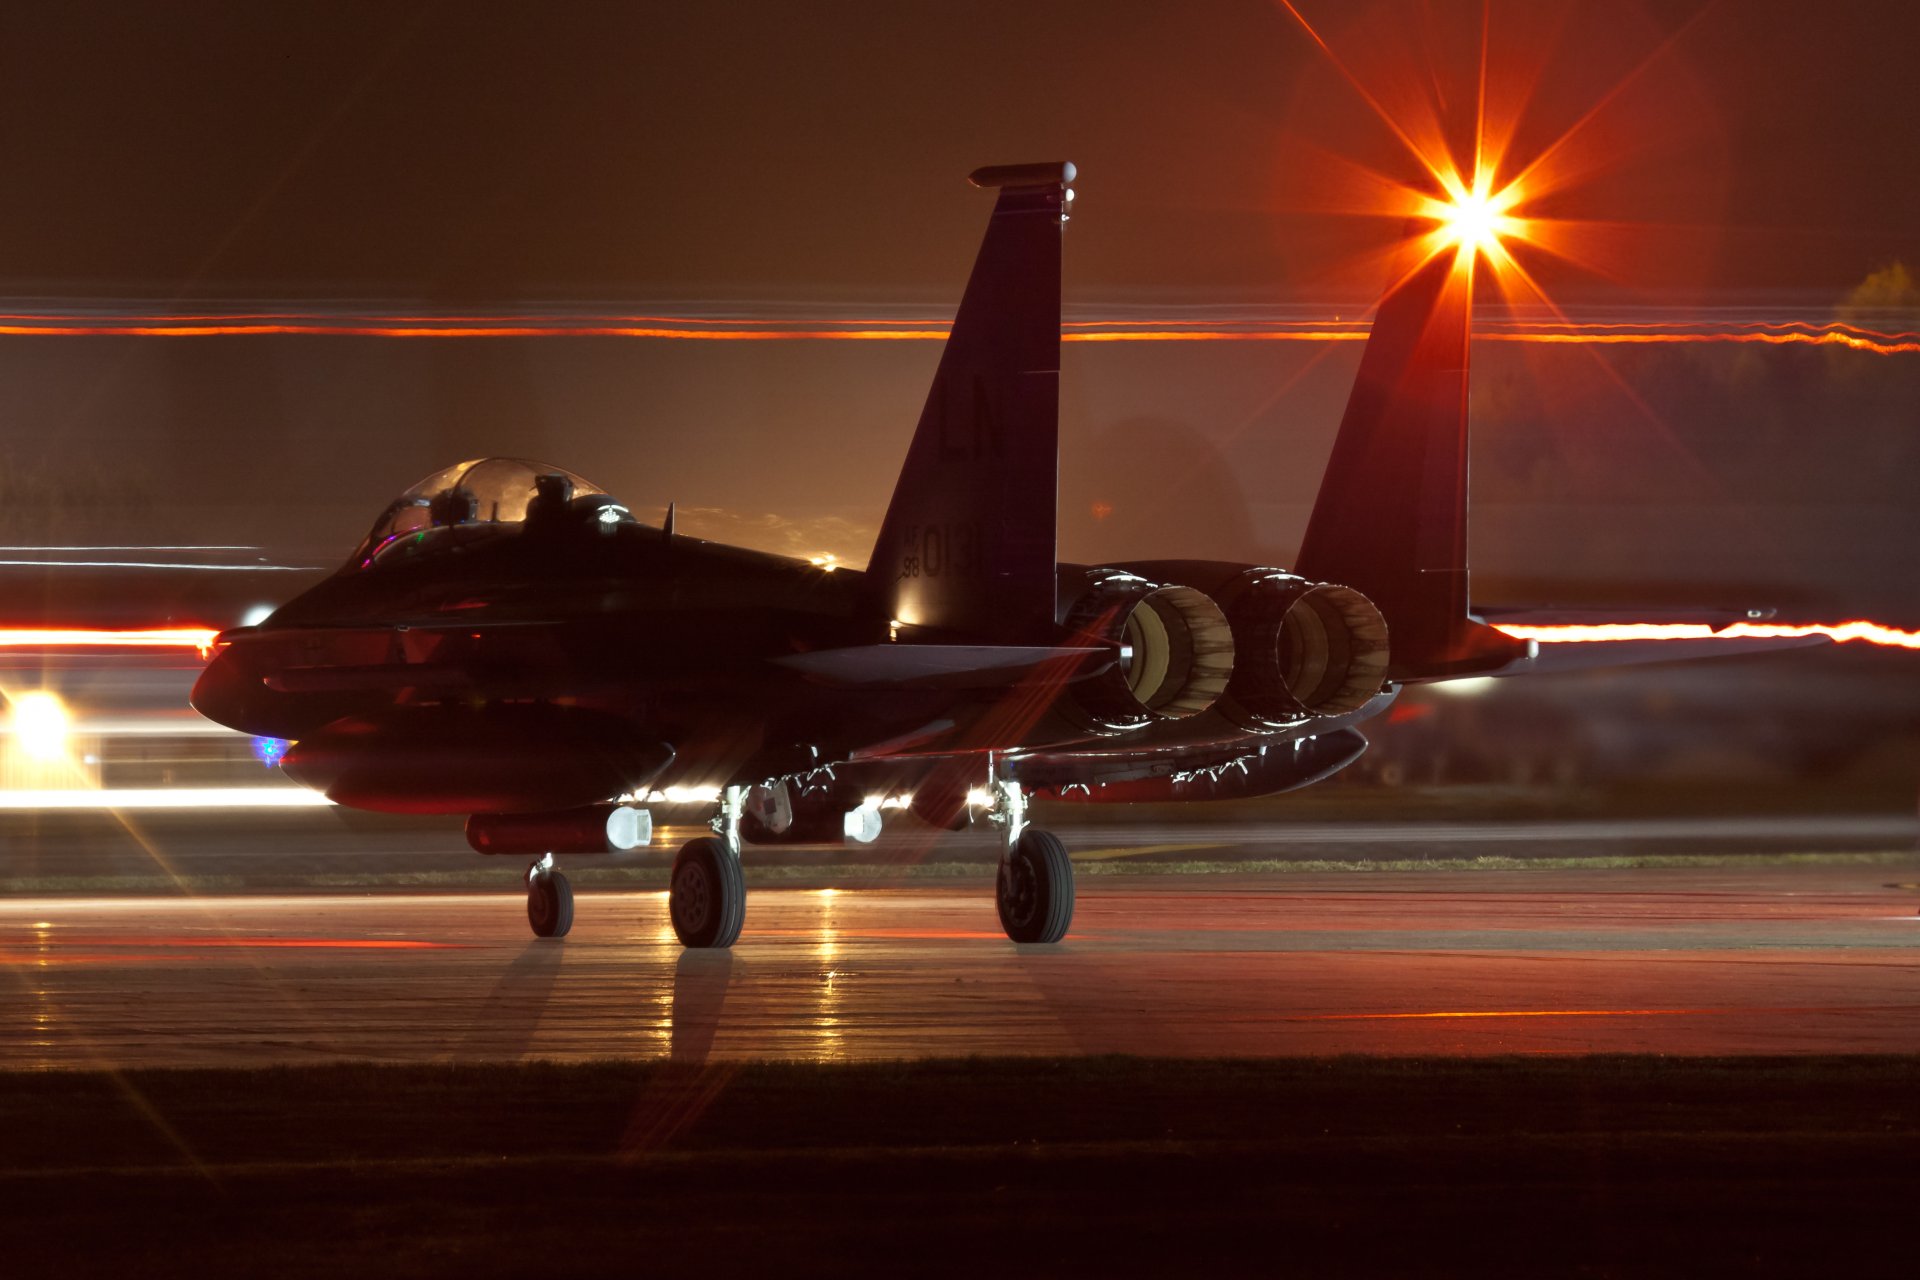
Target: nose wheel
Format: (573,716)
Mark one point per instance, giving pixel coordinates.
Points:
(549,900)
(708,896)
(1034,891)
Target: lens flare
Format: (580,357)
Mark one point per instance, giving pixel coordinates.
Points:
(1473,221)
(1474,211)
(40,724)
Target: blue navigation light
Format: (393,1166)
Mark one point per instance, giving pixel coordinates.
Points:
(270,751)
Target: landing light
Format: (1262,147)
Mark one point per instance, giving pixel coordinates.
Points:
(1471,687)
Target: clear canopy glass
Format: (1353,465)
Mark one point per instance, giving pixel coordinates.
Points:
(475,496)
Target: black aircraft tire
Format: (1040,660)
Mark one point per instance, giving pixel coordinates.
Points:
(549,904)
(1035,889)
(708,896)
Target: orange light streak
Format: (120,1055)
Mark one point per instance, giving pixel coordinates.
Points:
(199,638)
(124,800)
(1830,338)
(297,944)
(1841,632)
(465,331)
(1557,332)
(1708,1011)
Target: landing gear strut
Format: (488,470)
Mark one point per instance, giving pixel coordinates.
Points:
(549,899)
(707,898)
(1035,887)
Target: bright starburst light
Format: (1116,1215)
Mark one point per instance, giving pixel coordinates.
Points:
(1474,220)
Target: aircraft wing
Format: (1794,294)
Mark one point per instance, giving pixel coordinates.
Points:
(1582,655)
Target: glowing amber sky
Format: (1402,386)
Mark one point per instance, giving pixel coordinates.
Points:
(1465,162)
(1476,205)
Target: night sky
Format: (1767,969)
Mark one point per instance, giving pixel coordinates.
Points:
(809,160)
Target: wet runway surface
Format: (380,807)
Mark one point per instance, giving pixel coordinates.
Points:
(1820,959)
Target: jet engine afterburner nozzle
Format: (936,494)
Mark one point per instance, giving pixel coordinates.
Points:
(1306,649)
(1176,651)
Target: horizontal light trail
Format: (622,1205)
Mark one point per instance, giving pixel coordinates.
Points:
(130,798)
(198,638)
(464,331)
(1708,1011)
(171,566)
(1830,338)
(689,329)
(294,944)
(1843,632)
(185,724)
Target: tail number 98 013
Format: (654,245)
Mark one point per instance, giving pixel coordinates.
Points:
(950,550)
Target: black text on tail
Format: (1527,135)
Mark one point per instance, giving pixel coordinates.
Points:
(967,545)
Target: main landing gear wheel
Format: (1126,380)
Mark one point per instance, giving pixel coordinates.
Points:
(1035,891)
(708,896)
(549,901)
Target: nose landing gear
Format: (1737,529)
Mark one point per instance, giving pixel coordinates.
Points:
(1034,890)
(549,899)
(707,898)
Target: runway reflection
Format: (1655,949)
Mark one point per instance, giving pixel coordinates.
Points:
(700,980)
(675,1096)
(1722,960)
(508,1020)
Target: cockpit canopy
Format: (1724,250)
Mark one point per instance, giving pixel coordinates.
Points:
(476,500)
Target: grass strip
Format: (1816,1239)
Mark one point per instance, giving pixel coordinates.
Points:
(1355,1166)
(358,1111)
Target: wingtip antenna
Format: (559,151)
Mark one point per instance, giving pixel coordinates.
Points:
(666,526)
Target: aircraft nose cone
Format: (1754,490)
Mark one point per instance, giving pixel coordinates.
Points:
(221,692)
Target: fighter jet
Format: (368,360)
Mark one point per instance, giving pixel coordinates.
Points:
(511,645)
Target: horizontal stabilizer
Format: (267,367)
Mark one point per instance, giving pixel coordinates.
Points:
(940,666)
(1501,615)
(1587,655)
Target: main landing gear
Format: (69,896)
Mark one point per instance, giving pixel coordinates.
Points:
(707,898)
(549,899)
(1035,887)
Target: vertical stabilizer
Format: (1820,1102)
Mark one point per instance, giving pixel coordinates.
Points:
(1391,517)
(968,541)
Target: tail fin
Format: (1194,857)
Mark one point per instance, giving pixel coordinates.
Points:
(1391,518)
(968,541)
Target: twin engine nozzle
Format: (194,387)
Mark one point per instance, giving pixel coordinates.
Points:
(1269,649)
